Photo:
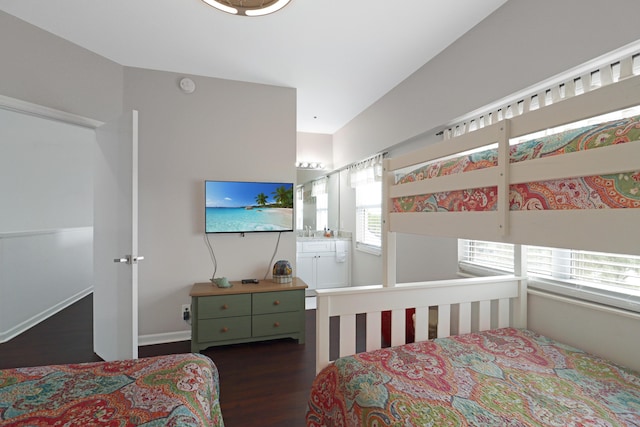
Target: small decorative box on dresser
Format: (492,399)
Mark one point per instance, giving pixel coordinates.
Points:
(246,312)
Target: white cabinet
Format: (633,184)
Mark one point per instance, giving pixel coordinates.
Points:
(324,264)
(305,265)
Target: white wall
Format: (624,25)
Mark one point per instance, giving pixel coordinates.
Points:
(612,336)
(41,273)
(315,147)
(224,130)
(46,173)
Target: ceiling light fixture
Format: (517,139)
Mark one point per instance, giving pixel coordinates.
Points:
(310,165)
(248,7)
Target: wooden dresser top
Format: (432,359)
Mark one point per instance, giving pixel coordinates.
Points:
(237,287)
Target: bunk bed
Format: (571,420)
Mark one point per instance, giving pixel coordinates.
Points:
(507,181)
(178,390)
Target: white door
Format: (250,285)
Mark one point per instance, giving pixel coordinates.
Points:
(115,247)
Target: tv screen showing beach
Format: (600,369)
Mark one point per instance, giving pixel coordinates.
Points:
(243,207)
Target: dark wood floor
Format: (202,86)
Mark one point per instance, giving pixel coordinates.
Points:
(261,384)
(66,337)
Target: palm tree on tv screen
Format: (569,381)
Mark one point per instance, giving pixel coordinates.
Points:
(261,199)
(284,196)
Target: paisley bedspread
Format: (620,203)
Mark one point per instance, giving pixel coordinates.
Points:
(176,390)
(503,377)
(589,192)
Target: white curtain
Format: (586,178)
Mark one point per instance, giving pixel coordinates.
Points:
(319,186)
(366,172)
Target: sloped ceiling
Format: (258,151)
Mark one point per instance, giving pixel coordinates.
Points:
(340,55)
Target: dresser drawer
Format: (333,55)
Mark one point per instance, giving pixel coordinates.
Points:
(228,328)
(246,313)
(276,324)
(224,306)
(278,302)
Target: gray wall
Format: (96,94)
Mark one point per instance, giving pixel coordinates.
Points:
(47,259)
(225,130)
(47,70)
(519,45)
(184,139)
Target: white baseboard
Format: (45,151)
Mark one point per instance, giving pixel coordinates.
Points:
(164,338)
(42,316)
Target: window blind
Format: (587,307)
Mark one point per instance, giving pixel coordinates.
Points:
(369,214)
(595,269)
(612,279)
(491,255)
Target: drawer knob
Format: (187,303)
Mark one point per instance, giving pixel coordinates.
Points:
(225,329)
(277,324)
(276,302)
(225,306)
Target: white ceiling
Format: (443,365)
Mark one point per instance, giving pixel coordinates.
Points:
(340,55)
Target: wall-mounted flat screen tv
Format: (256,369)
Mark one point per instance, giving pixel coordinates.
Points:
(246,207)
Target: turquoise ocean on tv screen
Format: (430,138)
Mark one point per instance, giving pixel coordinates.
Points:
(241,219)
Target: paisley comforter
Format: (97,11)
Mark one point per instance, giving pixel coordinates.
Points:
(503,377)
(620,190)
(177,390)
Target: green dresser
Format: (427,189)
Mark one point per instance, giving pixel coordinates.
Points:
(246,312)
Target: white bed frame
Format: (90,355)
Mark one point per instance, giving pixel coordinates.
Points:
(604,230)
(464,305)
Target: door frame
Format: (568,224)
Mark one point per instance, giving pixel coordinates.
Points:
(21,106)
(25,107)
(115,314)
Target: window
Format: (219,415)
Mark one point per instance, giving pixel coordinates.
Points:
(322,211)
(607,272)
(612,279)
(366,178)
(319,192)
(299,208)
(369,216)
(489,255)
